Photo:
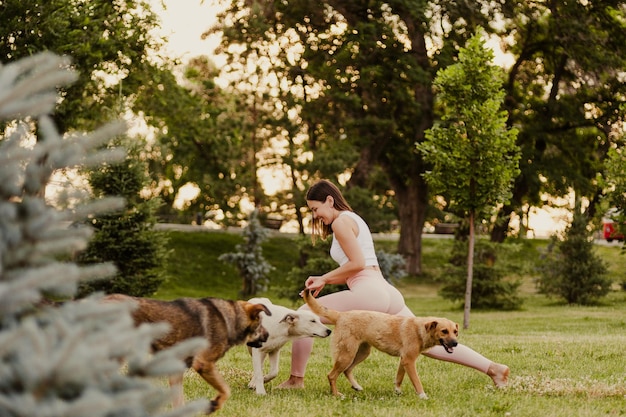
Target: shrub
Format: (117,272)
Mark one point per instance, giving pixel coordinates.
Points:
(248,258)
(126,238)
(392,265)
(313,260)
(571,270)
(490,288)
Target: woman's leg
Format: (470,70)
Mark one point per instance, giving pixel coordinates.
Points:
(464,355)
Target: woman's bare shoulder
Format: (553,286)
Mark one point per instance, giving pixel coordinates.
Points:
(344,224)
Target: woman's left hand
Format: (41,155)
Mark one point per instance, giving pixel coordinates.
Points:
(315,284)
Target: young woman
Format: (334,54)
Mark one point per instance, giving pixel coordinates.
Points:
(353,249)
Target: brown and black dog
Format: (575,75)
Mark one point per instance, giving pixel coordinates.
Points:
(223,323)
(356,331)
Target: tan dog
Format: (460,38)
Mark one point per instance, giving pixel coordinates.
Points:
(357,331)
(223,323)
(283,326)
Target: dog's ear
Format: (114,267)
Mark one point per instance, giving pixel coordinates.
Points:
(289,319)
(431,326)
(254,310)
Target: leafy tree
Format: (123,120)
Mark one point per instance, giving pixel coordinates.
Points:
(249,260)
(614,182)
(62,360)
(127,239)
(573,272)
(199,139)
(473,154)
(110,42)
(366,71)
(362,94)
(565,97)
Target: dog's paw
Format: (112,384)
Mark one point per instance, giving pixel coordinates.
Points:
(398,390)
(259,389)
(357,387)
(213,406)
(423,396)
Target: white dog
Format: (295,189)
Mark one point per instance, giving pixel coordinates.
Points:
(283,326)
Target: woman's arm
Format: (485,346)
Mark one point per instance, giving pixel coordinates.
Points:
(345,230)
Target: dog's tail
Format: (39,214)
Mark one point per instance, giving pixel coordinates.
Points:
(330,315)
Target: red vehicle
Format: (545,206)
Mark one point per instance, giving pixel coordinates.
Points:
(609,232)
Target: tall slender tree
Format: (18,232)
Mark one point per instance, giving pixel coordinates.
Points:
(473,154)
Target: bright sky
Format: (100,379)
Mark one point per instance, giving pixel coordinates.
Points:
(183,22)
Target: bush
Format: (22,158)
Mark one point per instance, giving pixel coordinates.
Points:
(249,260)
(126,238)
(571,270)
(490,289)
(392,265)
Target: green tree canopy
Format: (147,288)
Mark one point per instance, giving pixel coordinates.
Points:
(565,92)
(110,44)
(366,69)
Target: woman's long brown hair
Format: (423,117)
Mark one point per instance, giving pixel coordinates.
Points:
(319,192)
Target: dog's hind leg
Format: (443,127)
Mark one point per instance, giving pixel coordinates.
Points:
(343,358)
(207,370)
(361,355)
(274,358)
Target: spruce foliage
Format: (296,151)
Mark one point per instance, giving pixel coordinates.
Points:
(572,271)
(490,287)
(63,359)
(126,238)
(249,260)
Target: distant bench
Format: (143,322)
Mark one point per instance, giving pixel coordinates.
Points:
(446,228)
(273,224)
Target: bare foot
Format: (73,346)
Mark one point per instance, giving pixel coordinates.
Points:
(499,374)
(294,382)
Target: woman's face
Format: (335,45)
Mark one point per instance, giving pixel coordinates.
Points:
(322,210)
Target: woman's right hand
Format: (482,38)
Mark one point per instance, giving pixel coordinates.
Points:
(315,284)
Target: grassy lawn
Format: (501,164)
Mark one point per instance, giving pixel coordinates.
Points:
(565,360)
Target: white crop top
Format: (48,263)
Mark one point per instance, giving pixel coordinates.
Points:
(364,238)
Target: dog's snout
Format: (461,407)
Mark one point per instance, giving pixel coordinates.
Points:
(259,337)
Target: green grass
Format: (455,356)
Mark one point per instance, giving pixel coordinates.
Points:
(565,360)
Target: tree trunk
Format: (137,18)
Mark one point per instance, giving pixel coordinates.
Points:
(501,227)
(470,273)
(412,204)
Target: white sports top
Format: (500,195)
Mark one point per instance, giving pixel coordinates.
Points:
(364,238)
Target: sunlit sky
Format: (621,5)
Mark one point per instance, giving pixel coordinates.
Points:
(183,22)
